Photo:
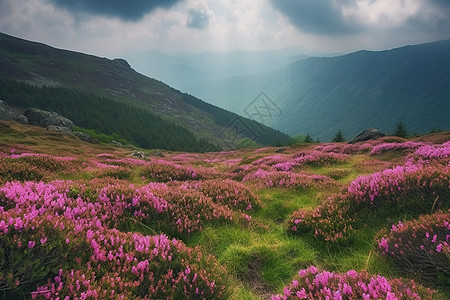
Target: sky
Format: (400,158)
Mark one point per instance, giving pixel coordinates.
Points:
(116,28)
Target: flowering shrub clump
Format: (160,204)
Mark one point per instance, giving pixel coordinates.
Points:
(285,163)
(390,139)
(434,151)
(412,188)
(329,221)
(113,171)
(187,210)
(271,160)
(378,149)
(312,283)
(163,171)
(34,166)
(234,195)
(16,170)
(319,158)
(345,148)
(33,247)
(388,185)
(238,173)
(421,246)
(264,179)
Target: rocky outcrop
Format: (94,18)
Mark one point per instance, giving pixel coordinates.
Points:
(367,134)
(47,118)
(8,114)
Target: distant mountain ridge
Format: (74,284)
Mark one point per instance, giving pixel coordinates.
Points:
(185,70)
(114,80)
(322,95)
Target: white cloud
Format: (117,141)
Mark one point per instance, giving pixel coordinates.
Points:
(382,13)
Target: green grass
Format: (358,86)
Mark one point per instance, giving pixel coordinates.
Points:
(265,257)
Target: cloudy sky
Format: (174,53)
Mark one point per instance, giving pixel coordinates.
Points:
(114,28)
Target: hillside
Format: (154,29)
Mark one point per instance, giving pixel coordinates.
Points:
(114,80)
(322,95)
(78,219)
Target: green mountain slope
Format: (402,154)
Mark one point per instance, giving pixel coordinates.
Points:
(320,96)
(115,83)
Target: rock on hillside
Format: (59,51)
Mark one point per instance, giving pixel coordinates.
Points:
(8,114)
(367,134)
(47,118)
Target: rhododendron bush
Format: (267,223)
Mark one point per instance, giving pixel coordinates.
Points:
(230,193)
(35,166)
(395,147)
(266,179)
(312,283)
(421,246)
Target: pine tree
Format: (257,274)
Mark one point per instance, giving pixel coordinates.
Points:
(339,137)
(308,139)
(400,130)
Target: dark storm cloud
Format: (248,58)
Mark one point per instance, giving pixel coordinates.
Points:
(197,19)
(442,3)
(131,10)
(439,24)
(5,8)
(325,17)
(318,16)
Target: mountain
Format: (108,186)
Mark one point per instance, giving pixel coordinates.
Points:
(113,88)
(184,70)
(321,95)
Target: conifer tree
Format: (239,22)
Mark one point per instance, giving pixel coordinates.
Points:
(400,130)
(308,139)
(339,137)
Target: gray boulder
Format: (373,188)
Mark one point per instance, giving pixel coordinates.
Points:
(367,134)
(115,143)
(60,129)
(139,154)
(157,154)
(8,114)
(47,118)
(86,137)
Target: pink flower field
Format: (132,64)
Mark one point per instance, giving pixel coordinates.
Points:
(311,221)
